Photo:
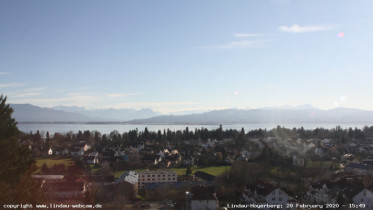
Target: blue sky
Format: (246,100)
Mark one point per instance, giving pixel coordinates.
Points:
(187,55)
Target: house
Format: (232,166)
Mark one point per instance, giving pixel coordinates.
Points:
(164,163)
(50,151)
(356,193)
(359,169)
(309,146)
(365,196)
(128,183)
(266,193)
(298,161)
(188,161)
(245,153)
(161,154)
(83,146)
(201,197)
(203,176)
(131,177)
(151,160)
(64,151)
(175,159)
(91,159)
(209,143)
(77,152)
(322,192)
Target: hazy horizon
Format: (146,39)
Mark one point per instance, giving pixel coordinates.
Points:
(184,56)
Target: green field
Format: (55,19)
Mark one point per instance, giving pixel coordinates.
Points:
(53,161)
(213,170)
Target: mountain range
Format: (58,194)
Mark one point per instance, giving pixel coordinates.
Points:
(31,113)
(286,114)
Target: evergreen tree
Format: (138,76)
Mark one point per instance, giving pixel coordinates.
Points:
(17,164)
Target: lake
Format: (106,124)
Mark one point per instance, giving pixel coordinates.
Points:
(121,128)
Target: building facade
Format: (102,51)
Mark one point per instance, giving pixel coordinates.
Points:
(156,176)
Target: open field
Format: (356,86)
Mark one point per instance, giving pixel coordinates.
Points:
(53,161)
(213,170)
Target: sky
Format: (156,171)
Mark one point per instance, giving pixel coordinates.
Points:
(190,55)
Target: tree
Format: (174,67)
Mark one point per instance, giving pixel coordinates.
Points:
(17,164)
(188,170)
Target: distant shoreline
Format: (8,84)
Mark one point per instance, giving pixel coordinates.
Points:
(190,123)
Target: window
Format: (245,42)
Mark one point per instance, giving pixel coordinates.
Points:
(280,198)
(273,198)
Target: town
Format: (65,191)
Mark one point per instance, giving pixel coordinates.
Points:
(206,169)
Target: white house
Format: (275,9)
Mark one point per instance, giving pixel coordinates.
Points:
(319,193)
(50,151)
(265,193)
(202,198)
(366,197)
(297,161)
(245,153)
(161,154)
(131,177)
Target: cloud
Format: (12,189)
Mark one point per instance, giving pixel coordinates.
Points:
(248,35)
(73,99)
(237,44)
(11,85)
(25,92)
(21,95)
(4,73)
(152,104)
(302,29)
(120,95)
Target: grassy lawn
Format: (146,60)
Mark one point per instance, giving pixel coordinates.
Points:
(53,161)
(213,170)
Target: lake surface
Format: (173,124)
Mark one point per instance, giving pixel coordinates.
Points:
(121,128)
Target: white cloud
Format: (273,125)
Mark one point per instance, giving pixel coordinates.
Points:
(11,85)
(4,73)
(73,99)
(302,29)
(152,104)
(237,44)
(25,92)
(248,35)
(120,95)
(21,95)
